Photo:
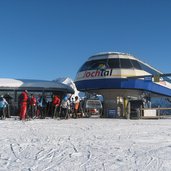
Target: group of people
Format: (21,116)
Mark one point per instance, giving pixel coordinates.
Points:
(40,107)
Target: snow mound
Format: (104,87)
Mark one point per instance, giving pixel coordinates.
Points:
(68,81)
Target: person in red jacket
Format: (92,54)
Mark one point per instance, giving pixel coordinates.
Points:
(33,106)
(56,105)
(23,99)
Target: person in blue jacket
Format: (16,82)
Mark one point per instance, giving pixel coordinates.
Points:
(3,106)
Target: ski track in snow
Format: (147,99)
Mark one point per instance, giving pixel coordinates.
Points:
(85,145)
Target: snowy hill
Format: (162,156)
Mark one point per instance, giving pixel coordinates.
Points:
(68,81)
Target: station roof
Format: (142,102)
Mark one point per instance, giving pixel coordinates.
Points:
(39,85)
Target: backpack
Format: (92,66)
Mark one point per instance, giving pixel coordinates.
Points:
(42,102)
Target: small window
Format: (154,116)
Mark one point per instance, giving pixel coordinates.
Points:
(99,64)
(95,64)
(114,63)
(126,63)
(86,66)
(136,64)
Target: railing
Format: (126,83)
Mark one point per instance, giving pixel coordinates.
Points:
(159,113)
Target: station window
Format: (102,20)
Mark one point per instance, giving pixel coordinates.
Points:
(136,64)
(126,63)
(95,64)
(86,66)
(99,64)
(114,63)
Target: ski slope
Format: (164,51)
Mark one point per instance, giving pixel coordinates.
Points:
(85,145)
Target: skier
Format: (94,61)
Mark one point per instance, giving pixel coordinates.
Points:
(56,106)
(42,106)
(8,98)
(64,107)
(23,99)
(76,106)
(3,105)
(33,106)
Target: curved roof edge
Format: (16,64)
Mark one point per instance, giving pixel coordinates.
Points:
(109,53)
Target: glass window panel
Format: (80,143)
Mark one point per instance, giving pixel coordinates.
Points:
(114,63)
(86,66)
(136,64)
(125,63)
(93,65)
(99,64)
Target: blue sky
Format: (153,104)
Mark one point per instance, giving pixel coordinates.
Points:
(47,39)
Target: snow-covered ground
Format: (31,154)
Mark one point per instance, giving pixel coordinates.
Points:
(85,145)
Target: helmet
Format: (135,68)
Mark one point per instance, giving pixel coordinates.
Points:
(65,98)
